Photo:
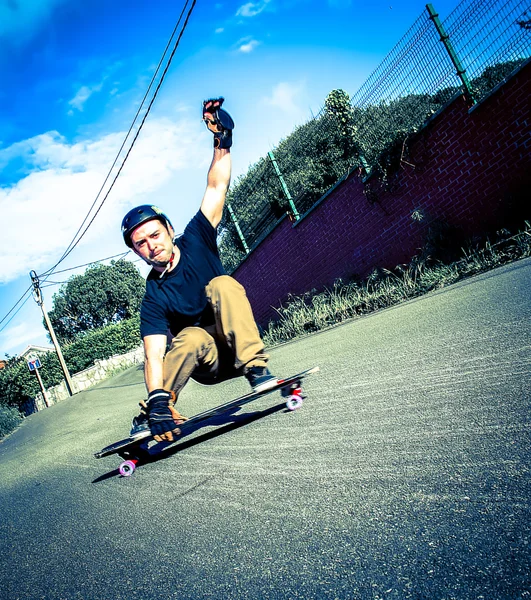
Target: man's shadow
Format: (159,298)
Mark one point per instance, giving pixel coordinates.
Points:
(225,422)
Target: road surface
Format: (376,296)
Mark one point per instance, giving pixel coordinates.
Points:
(406,474)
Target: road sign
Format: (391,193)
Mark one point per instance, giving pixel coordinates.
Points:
(34,362)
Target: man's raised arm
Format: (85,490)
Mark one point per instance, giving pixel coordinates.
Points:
(221,124)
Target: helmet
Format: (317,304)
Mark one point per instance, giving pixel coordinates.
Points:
(139,215)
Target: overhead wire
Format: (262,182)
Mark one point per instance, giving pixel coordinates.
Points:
(93,262)
(17,311)
(16,304)
(75,241)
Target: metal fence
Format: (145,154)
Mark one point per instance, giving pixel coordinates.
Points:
(469,52)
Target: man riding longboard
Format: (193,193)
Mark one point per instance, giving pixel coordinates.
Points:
(190,300)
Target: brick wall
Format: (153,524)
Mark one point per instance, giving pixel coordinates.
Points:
(469,169)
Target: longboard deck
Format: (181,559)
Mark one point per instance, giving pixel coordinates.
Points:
(130,442)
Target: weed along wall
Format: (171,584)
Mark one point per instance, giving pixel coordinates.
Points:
(466,170)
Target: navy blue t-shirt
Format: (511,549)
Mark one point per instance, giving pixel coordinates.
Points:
(178,299)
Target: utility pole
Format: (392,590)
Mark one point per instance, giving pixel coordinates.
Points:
(37,295)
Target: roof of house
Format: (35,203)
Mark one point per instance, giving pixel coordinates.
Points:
(32,349)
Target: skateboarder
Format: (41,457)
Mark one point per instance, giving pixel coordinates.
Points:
(190,302)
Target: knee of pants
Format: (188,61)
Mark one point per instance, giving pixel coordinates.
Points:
(223,282)
(191,340)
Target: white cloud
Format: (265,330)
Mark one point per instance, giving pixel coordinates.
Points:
(42,212)
(251,9)
(287,97)
(86,91)
(247,45)
(23,334)
(82,95)
(220,30)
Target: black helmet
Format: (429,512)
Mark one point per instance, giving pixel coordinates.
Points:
(137,216)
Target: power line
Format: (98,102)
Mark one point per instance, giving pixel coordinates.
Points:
(16,304)
(52,283)
(93,262)
(16,312)
(75,241)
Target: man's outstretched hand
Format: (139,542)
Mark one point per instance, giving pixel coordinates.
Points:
(219,122)
(162,416)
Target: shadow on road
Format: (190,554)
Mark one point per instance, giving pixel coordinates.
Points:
(226,422)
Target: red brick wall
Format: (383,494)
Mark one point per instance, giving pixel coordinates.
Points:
(468,168)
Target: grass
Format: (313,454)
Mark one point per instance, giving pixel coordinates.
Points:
(311,312)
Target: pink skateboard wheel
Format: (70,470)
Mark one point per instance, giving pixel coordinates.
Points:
(294,402)
(127,468)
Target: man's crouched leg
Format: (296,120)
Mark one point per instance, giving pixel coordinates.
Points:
(235,325)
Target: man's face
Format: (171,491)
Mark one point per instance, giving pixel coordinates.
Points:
(154,243)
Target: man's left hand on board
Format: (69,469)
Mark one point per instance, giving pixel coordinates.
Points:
(219,122)
(163,417)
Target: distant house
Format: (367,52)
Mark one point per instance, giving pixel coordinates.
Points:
(33,350)
(3,364)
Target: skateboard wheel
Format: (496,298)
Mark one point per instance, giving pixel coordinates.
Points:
(294,402)
(127,468)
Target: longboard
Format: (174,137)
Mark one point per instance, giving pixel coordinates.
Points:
(135,449)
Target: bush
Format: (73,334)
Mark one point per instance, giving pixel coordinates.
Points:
(10,419)
(99,344)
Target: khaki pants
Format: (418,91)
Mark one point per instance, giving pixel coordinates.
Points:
(220,351)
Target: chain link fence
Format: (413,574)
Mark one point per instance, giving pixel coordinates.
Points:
(479,44)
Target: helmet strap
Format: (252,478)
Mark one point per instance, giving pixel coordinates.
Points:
(168,266)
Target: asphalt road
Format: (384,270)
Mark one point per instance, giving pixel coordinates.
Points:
(406,474)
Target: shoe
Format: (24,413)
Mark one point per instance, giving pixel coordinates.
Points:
(261,379)
(140,426)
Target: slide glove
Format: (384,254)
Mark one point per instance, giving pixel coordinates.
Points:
(219,122)
(162,416)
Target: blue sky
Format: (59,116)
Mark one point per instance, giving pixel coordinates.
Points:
(73,73)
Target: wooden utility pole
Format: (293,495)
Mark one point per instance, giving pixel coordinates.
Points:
(37,295)
(43,391)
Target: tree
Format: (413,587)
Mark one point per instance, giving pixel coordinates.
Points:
(492,75)
(341,112)
(103,295)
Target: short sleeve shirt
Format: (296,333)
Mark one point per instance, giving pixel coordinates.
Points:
(178,300)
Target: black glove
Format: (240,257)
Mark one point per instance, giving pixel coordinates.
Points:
(219,122)
(163,418)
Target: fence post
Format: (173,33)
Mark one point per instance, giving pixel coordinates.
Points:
(445,39)
(285,189)
(238,228)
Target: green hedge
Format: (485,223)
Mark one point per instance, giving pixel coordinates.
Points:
(102,343)
(17,384)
